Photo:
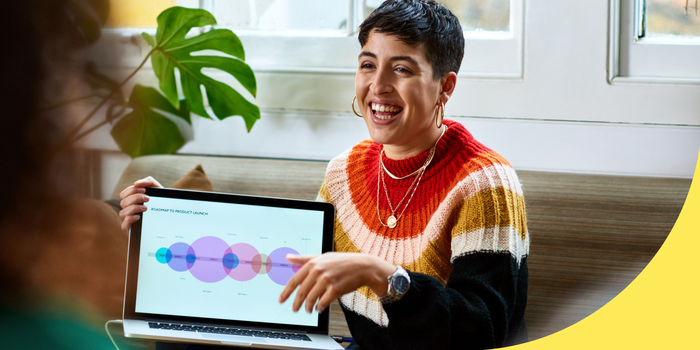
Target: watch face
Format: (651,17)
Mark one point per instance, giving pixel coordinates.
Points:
(401,284)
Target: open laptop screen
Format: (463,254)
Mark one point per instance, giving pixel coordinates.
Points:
(221,258)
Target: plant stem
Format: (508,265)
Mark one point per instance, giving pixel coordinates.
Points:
(88,131)
(61,104)
(71,138)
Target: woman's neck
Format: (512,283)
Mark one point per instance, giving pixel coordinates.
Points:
(418,146)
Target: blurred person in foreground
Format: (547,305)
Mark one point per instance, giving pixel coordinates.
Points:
(58,265)
(431,239)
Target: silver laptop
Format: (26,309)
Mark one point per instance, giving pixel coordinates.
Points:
(209,268)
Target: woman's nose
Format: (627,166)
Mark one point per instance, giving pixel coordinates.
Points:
(381,83)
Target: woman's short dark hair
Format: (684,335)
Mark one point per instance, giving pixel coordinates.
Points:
(417,22)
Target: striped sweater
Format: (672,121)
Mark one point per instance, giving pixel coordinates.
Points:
(463,238)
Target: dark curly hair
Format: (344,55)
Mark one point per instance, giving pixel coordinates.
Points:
(420,22)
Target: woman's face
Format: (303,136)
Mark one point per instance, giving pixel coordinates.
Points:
(397,95)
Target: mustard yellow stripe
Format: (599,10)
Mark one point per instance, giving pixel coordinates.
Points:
(367,293)
(341,241)
(323,193)
(488,208)
(434,260)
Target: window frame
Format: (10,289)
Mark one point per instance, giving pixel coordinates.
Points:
(488,55)
(634,58)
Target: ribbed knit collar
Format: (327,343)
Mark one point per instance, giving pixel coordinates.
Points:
(456,138)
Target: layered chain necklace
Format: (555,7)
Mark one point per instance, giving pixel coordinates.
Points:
(381,169)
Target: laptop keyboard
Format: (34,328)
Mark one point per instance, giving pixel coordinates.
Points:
(230,331)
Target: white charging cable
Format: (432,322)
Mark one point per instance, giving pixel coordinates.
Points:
(109,334)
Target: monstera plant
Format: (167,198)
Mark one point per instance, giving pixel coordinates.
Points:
(141,123)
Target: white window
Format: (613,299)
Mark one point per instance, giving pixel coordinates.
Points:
(654,41)
(314,35)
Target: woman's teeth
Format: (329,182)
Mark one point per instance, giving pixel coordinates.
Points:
(385,111)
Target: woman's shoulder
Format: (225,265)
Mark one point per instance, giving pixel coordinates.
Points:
(467,153)
(475,167)
(348,168)
(358,152)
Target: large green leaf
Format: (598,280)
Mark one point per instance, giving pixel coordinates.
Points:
(144,130)
(174,51)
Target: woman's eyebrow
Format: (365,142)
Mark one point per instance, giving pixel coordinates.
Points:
(395,58)
(366,53)
(405,58)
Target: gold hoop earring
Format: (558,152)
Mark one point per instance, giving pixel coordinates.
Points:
(353,107)
(439,115)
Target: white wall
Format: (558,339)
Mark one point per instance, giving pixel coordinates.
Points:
(562,116)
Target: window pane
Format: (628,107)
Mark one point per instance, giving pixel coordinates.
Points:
(672,17)
(474,15)
(317,15)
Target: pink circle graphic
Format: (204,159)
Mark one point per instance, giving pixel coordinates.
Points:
(208,265)
(246,253)
(282,270)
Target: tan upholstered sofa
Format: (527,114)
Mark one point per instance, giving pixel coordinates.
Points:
(591,234)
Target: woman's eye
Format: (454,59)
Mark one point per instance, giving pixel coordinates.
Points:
(402,70)
(366,65)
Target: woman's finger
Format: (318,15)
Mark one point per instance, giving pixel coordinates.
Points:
(298,277)
(130,191)
(126,223)
(314,294)
(134,199)
(327,298)
(292,284)
(132,210)
(305,286)
(299,260)
(147,182)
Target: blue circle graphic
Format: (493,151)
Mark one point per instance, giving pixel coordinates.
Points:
(164,255)
(190,258)
(230,261)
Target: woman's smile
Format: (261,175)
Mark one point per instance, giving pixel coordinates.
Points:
(384,112)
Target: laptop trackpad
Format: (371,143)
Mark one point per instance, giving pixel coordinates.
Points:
(232,339)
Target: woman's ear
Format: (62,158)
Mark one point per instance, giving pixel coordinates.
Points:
(448,83)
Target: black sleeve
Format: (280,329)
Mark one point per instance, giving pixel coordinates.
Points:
(481,306)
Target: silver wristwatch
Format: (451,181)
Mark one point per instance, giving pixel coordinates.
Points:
(399,282)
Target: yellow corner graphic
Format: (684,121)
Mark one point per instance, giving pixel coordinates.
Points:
(660,309)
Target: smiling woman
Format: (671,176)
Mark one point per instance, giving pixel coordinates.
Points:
(430,234)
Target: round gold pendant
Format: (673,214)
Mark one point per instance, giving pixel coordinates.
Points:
(391,222)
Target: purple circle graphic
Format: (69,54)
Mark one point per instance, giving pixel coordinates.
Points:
(244,270)
(208,265)
(282,270)
(179,260)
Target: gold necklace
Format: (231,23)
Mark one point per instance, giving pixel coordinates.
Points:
(425,165)
(393,219)
(381,164)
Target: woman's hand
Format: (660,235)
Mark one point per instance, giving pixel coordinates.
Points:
(326,277)
(133,198)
